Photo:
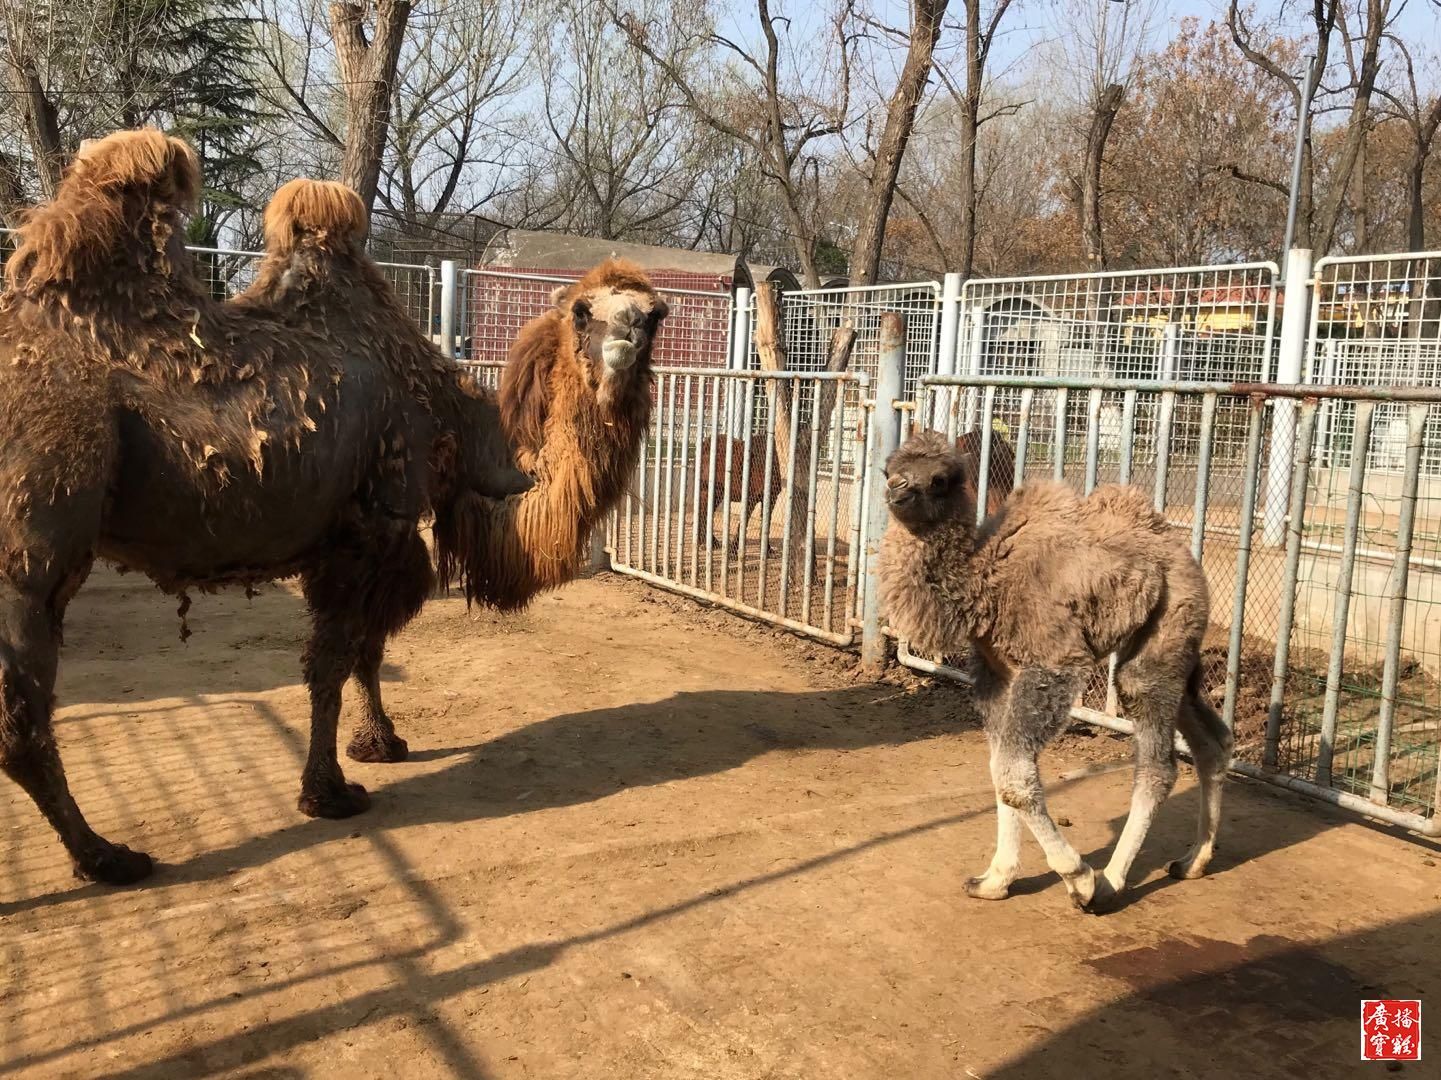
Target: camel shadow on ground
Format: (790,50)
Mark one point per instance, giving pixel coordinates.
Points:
(588,756)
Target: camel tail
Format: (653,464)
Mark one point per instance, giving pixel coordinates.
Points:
(321,211)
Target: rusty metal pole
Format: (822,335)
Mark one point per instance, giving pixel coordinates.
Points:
(885,418)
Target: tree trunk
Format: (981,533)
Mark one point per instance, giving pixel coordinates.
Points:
(367,67)
(1103,116)
(42,126)
(1356,129)
(970,125)
(900,121)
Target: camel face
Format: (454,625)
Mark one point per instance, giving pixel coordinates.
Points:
(616,330)
(925,482)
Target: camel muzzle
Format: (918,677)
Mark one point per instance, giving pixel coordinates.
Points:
(619,354)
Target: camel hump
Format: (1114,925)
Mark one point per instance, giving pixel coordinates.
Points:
(114,186)
(145,159)
(324,212)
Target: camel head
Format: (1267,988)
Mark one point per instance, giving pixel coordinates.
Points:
(116,227)
(926,483)
(613,315)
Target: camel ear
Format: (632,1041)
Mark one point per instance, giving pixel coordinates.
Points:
(659,310)
(557,294)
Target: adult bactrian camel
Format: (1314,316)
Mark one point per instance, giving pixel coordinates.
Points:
(305,429)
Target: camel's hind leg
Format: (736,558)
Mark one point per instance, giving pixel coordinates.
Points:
(1210,742)
(29,647)
(403,580)
(1150,691)
(1035,709)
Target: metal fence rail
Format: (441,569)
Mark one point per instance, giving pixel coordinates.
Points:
(722,510)
(1325,650)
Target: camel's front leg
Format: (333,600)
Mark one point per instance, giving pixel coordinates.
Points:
(1034,709)
(995,883)
(330,657)
(374,738)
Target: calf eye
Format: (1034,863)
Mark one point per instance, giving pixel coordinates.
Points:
(940,483)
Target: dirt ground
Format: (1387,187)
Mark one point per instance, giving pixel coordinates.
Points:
(638,839)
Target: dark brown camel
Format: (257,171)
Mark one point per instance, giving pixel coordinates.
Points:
(305,429)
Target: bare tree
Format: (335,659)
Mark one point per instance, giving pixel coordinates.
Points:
(368,38)
(1420,113)
(981,27)
(1264,48)
(772,113)
(1362,53)
(885,163)
(1099,57)
(459,63)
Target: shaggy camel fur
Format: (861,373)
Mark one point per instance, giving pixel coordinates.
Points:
(304,429)
(1044,590)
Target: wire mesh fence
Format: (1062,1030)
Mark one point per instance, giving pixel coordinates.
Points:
(728,507)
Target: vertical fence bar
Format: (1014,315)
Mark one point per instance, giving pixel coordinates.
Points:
(788,524)
(1295,526)
(684,477)
(838,419)
(813,483)
(1023,433)
(1400,573)
(860,500)
(745,497)
(1250,484)
(974,359)
(886,423)
(1297,316)
(948,345)
(708,529)
(987,432)
(768,463)
(1355,490)
(1058,449)
(663,568)
(448,294)
(656,508)
(1203,475)
(1128,434)
(740,356)
(1093,438)
(1163,448)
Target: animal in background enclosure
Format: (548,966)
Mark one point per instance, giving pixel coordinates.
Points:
(304,429)
(1001,479)
(1048,587)
(750,488)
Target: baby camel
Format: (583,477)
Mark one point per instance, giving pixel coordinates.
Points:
(1047,587)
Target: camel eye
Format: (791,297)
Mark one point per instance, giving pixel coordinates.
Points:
(940,482)
(580,312)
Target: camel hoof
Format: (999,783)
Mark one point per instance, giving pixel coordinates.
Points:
(977,889)
(342,802)
(376,747)
(1104,900)
(1185,869)
(115,864)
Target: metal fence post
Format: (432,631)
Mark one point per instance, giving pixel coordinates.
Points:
(948,346)
(886,418)
(740,352)
(1295,329)
(448,295)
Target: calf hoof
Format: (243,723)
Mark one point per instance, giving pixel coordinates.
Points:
(1104,900)
(376,747)
(982,888)
(344,801)
(1082,885)
(114,864)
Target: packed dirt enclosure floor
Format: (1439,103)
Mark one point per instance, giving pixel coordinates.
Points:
(637,838)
